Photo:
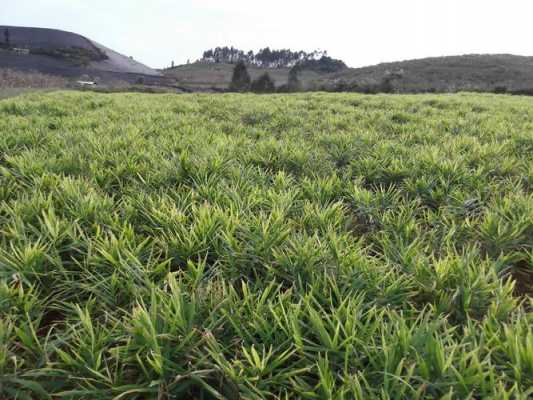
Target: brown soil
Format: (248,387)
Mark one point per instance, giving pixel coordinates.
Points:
(522,274)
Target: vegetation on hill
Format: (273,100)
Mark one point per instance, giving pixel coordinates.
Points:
(77,56)
(263,84)
(14,79)
(68,53)
(267,58)
(294,83)
(332,246)
(323,65)
(500,73)
(219,76)
(14,83)
(474,73)
(240,81)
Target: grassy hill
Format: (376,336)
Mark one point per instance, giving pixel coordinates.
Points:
(488,73)
(331,246)
(483,73)
(219,75)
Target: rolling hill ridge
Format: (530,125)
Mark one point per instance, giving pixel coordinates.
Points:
(473,72)
(70,55)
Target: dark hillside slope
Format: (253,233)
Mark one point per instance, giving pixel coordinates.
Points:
(33,38)
(117,62)
(66,54)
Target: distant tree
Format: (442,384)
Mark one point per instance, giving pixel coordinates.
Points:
(386,86)
(284,58)
(240,81)
(323,64)
(263,84)
(172,64)
(250,57)
(264,57)
(294,84)
(7,37)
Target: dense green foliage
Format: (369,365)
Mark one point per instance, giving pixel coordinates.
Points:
(240,80)
(293,83)
(74,55)
(323,65)
(314,246)
(263,84)
(317,60)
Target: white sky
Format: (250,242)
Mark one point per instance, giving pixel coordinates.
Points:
(361,32)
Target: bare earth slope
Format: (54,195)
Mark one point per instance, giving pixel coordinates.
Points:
(117,65)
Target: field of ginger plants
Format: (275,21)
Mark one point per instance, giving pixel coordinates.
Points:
(309,246)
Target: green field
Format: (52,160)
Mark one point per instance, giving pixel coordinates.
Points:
(310,246)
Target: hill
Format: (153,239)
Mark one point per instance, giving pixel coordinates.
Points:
(218,75)
(487,73)
(70,55)
(484,73)
(305,246)
(67,54)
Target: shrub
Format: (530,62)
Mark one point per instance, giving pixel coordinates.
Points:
(16,79)
(385,86)
(240,81)
(283,88)
(263,84)
(6,38)
(74,55)
(324,65)
(294,84)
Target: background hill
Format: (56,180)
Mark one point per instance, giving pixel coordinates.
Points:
(67,54)
(32,38)
(72,56)
(488,73)
(484,73)
(203,75)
